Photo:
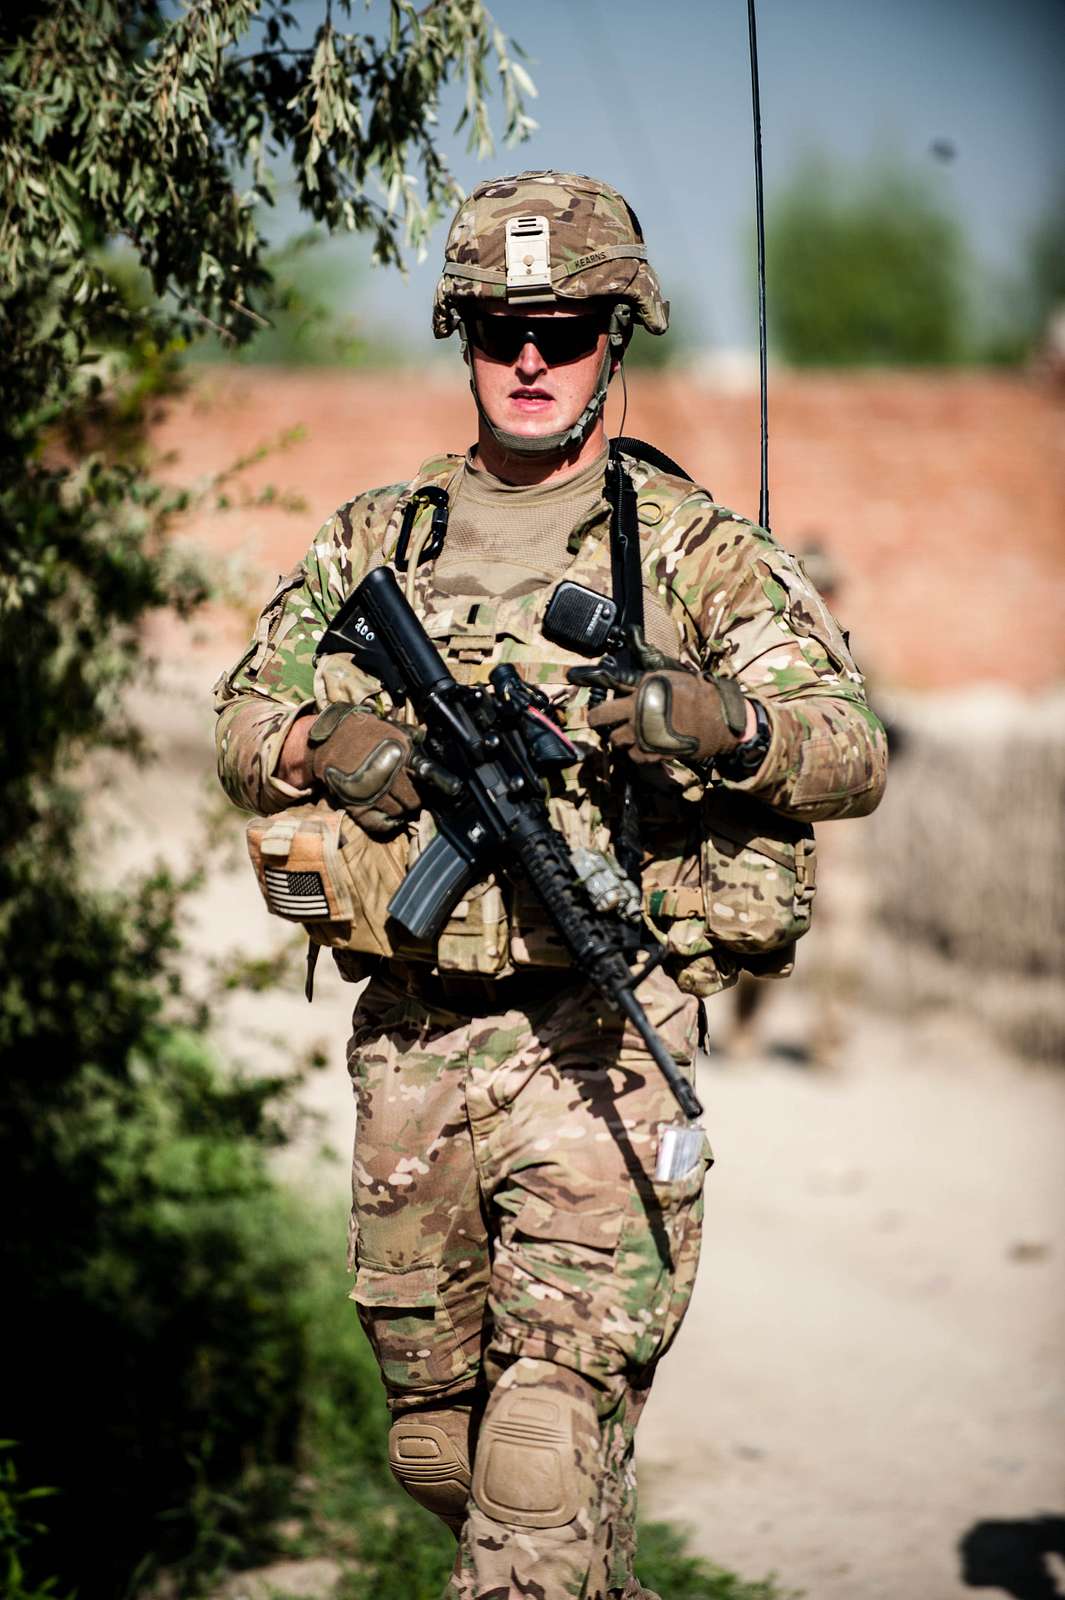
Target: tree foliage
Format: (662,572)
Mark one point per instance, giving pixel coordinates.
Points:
(122,120)
(863,269)
(156,1349)
(310,323)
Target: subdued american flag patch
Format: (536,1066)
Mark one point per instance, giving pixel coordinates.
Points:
(295,894)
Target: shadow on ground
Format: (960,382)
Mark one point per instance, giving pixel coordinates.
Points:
(1013,1556)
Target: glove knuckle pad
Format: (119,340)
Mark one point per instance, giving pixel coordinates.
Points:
(655,729)
(371,778)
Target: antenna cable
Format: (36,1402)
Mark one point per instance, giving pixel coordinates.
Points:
(756,106)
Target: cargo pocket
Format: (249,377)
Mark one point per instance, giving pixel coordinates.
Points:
(418,1347)
(296,857)
(540,1219)
(534,939)
(753,900)
(657,1256)
(552,1283)
(275,622)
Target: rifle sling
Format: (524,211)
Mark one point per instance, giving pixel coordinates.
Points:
(625,569)
(627,580)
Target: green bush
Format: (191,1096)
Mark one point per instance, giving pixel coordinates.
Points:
(156,1343)
(1046,261)
(863,268)
(20,1529)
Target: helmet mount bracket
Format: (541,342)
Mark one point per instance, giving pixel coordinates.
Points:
(527,248)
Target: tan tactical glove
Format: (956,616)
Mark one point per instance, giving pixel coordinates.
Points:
(363,759)
(669,715)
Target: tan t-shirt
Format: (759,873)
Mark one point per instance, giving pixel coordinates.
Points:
(507,539)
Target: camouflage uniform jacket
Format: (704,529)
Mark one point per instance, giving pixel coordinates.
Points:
(735,601)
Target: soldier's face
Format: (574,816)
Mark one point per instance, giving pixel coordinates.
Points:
(535,372)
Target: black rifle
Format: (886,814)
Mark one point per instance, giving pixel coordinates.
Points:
(485,753)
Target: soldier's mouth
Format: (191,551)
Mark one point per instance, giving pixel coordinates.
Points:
(531,399)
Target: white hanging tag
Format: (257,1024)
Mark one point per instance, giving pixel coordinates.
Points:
(680,1149)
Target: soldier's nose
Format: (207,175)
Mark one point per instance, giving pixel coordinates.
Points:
(530,361)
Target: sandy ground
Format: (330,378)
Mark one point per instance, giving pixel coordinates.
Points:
(873,1363)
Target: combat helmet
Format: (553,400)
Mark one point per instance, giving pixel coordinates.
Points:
(549,239)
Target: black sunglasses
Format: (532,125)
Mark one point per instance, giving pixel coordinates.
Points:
(558,339)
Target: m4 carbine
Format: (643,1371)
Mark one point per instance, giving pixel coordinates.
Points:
(484,755)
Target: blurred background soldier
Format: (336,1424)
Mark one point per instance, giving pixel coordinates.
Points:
(831,974)
(520,1270)
(823,1029)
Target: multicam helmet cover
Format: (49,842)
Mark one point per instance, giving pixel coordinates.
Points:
(546,238)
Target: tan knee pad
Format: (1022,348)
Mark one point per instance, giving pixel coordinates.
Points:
(429,1453)
(538,1443)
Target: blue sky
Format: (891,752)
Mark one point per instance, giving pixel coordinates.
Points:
(656,99)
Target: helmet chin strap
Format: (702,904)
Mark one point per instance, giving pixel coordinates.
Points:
(573,437)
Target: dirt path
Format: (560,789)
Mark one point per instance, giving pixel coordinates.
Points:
(873,1360)
(872,1364)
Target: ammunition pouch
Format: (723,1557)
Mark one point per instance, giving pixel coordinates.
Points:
(317,867)
(749,896)
(752,901)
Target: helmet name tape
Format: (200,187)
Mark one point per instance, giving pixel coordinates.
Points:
(528,253)
(592,259)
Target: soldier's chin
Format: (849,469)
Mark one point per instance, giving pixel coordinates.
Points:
(533,424)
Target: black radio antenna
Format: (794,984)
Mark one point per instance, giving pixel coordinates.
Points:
(759,206)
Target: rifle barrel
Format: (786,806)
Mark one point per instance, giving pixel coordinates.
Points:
(685,1095)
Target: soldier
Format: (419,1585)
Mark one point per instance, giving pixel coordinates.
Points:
(519,1270)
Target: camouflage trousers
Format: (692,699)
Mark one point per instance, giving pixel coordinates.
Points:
(519,1271)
